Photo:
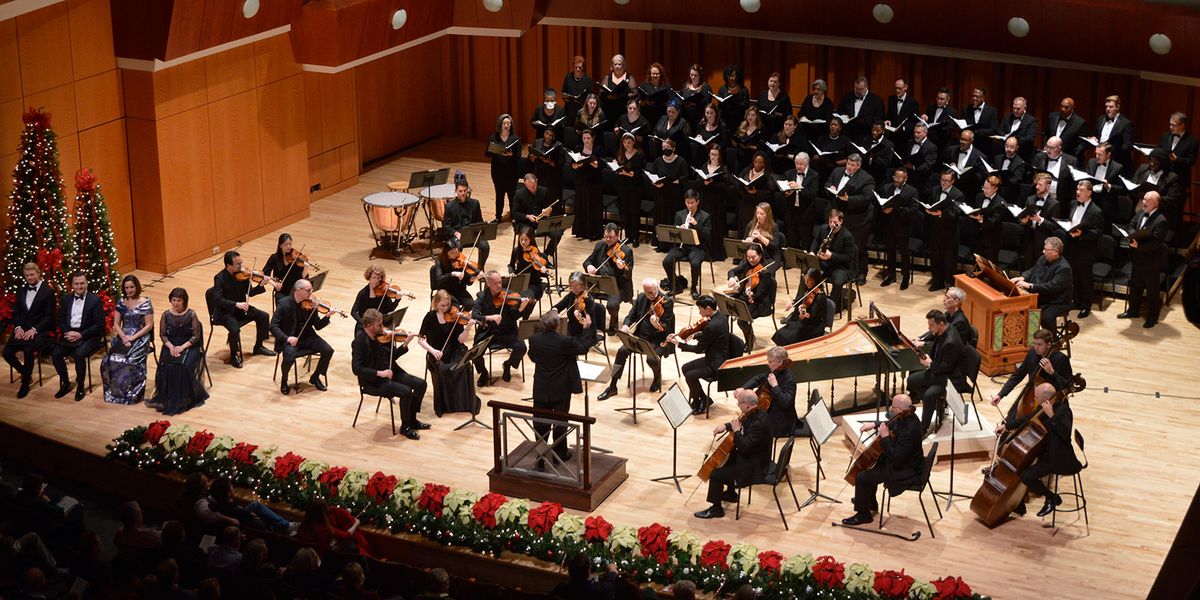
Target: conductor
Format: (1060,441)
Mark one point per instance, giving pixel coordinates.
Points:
(555,378)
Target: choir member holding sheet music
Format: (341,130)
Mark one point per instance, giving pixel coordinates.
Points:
(860,107)
(654,93)
(852,191)
(695,95)
(712,181)
(576,86)
(942,212)
(710,131)
(920,157)
(589,203)
(548,114)
(897,202)
(801,205)
(774,105)
(937,118)
(632,121)
(504,149)
(1082,226)
(1147,233)
(617,88)
(630,163)
(900,113)
(670,173)
(749,138)
(785,144)
(590,117)
(754,186)
(732,98)
(816,110)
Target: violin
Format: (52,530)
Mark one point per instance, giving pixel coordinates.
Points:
(692,329)
(581,302)
(615,253)
(297,258)
(469,268)
(753,276)
(387,336)
(321,307)
(535,259)
(256,277)
(806,301)
(385,289)
(764,391)
(511,299)
(456,315)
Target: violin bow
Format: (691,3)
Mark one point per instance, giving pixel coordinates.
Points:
(660,300)
(289,269)
(747,277)
(800,300)
(620,243)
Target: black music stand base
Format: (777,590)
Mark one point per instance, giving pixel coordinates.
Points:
(950,495)
(816,493)
(674,477)
(633,373)
(474,420)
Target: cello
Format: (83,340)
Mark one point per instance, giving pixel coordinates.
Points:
(723,449)
(872,452)
(1002,489)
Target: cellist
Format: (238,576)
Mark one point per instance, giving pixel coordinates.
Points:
(1043,360)
(898,466)
(779,382)
(1057,457)
(751,454)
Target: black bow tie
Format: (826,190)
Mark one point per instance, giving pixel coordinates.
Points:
(31,288)
(1110,120)
(80,297)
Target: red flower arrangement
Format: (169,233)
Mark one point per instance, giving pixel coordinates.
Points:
(892,584)
(85,180)
(6,306)
(653,539)
(596,529)
(155,431)
(199,443)
(50,261)
(243,453)
(542,518)
(485,509)
(949,588)
(770,561)
(287,465)
(829,573)
(379,487)
(332,477)
(715,554)
(431,498)
(110,307)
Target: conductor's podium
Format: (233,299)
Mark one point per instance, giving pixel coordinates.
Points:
(1006,317)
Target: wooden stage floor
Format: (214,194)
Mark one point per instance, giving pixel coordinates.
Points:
(1134,415)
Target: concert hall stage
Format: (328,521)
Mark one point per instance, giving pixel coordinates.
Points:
(1139,414)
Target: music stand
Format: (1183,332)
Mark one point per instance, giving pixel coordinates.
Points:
(959,415)
(549,227)
(318,280)
(795,258)
(605,284)
(392,320)
(589,372)
(676,409)
(669,234)
(528,328)
(822,426)
(476,351)
(733,307)
(514,282)
(478,232)
(638,346)
(428,179)
(737,248)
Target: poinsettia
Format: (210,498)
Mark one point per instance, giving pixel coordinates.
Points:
(287,465)
(332,477)
(243,453)
(949,588)
(828,572)
(653,539)
(770,561)
(484,509)
(543,517)
(199,443)
(892,584)
(155,431)
(431,498)
(379,487)
(596,529)
(715,554)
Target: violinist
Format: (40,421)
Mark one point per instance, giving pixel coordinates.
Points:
(751,455)
(294,325)
(231,310)
(1043,362)
(450,273)
(526,258)
(463,212)
(1057,456)
(691,217)
(444,334)
(609,258)
(753,283)
(898,467)
(837,252)
(652,318)
(809,311)
(779,382)
(943,363)
(374,363)
(497,310)
(709,337)
(532,204)
(373,295)
(283,267)
(582,311)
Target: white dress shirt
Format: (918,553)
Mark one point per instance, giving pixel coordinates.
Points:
(77,311)
(1106,129)
(31,294)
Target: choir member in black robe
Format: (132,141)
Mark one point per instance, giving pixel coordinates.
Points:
(505,165)
(774,105)
(668,195)
(696,94)
(617,88)
(631,184)
(654,93)
(733,98)
(816,110)
(576,86)
(589,202)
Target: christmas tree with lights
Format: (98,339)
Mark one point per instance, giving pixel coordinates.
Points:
(37,216)
(95,253)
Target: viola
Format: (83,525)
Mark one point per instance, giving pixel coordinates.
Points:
(511,299)
(764,391)
(535,259)
(256,277)
(755,275)
(659,310)
(615,253)
(386,289)
(387,336)
(321,307)
(456,315)
(469,268)
(692,329)
(297,258)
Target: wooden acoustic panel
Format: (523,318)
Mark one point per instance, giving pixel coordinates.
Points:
(237,203)
(395,106)
(41,35)
(91,38)
(283,151)
(11,127)
(179,89)
(229,73)
(185,166)
(146,194)
(10,64)
(273,60)
(98,99)
(335,32)
(60,103)
(103,149)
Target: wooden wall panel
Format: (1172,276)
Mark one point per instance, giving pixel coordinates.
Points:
(43,37)
(185,163)
(137,89)
(10,64)
(283,151)
(91,38)
(397,104)
(338,126)
(145,185)
(68,164)
(237,201)
(313,112)
(273,60)
(112,170)
(100,97)
(230,72)
(11,127)
(60,103)
(180,88)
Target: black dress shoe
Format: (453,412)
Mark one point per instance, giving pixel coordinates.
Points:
(858,518)
(507,375)
(1128,315)
(608,392)
(484,380)
(80,392)
(862,280)
(695,294)
(937,286)
(409,433)
(904,284)
(889,280)
(1051,502)
(1083,314)
(285,389)
(1020,510)
(421,425)
(656,386)
(63,389)
(263,351)
(713,512)
(730,496)
(24,391)
(1149,323)
(235,360)
(316,383)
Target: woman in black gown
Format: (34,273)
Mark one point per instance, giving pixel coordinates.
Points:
(654,93)
(282,268)
(505,165)
(714,191)
(589,199)
(617,88)
(630,185)
(710,131)
(449,275)
(736,98)
(695,94)
(775,105)
(668,195)
(785,145)
(445,339)
(757,190)
(816,110)
(178,384)
(546,155)
(590,117)
(670,127)
(633,122)
(575,87)
(749,139)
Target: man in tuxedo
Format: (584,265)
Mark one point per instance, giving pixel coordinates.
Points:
(231,309)
(981,117)
(378,373)
(967,163)
(81,325)
(461,213)
(1039,223)
(952,302)
(880,154)
(941,234)
(852,191)
(714,343)
(1067,125)
(1057,163)
(1051,279)
(295,330)
(1108,171)
(801,206)
(532,203)
(943,365)
(864,106)
(1147,239)
(600,263)
(921,156)
(555,378)
(1155,172)
(897,215)
(900,465)
(32,321)
(988,220)
(1013,169)
(751,455)
(691,217)
(1116,129)
(1021,125)
(902,111)
(839,257)
(938,115)
(1087,223)
(1181,145)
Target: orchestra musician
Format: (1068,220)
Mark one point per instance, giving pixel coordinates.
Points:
(898,467)
(753,283)
(526,258)
(764,231)
(834,247)
(1043,363)
(691,217)
(294,325)
(582,310)
(370,297)
(952,301)
(779,382)
(283,267)
(1050,278)
(713,341)
(609,258)
(1057,456)
(532,204)
(32,321)
(444,333)
(497,311)
(651,318)
(896,218)
(374,364)
(808,315)
(750,458)
(555,377)
(463,212)
(232,310)
(943,363)
(1148,232)
(452,272)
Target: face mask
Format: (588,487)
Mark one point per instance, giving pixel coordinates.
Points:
(668,152)
(550,106)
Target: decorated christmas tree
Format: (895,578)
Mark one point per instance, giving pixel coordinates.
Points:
(37,216)
(95,253)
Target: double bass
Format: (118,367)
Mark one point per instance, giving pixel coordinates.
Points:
(872,450)
(1002,489)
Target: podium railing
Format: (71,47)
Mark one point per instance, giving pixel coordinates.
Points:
(516,446)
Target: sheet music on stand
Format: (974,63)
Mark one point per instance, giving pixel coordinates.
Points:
(736,248)
(427,179)
(669,234)
(318,280)
(794,258)
(605,284)
(733,307)
(515,283)
(464,362)
(677,409)
(638,346)
(478,232)
(553,224)
(392,320)
(820,422)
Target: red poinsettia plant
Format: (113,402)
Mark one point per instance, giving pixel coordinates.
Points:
(829,573)
(653,539)
(949,588)
(484,509)
(331,478)
(287,465)
(155,431)
(715,554)
(199,443)
(770,561)
(243,453)
(596,529)
(431,498)
(379,487)
(110,307)
(892,584)
(544,516)
(6,306)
